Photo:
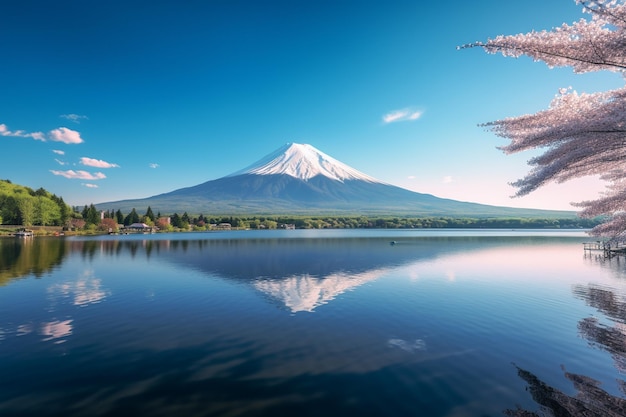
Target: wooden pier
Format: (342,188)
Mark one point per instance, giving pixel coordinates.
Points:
(608,248)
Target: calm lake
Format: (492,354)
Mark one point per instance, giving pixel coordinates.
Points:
(312,323)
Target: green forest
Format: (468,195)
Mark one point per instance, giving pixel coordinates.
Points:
(20,205)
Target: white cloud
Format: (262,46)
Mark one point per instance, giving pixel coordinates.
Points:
(394,116)
(76,118)
(89,185)
(4,131)
(98,163)
(62,134)
(402,115)
(411,177)
(58,161)
(153,165)
(447,179)
(58,152)
(82,175)
(65,135)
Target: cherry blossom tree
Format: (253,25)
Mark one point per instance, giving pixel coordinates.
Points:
(581,134)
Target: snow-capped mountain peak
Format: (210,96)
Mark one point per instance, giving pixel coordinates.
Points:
(303,161)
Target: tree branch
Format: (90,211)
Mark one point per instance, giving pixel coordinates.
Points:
(495,46)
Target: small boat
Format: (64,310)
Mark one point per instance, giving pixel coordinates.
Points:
(23,233)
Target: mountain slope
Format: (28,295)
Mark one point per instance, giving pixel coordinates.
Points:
(299,179)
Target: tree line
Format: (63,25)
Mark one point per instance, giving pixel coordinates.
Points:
(20,205)
(185,222)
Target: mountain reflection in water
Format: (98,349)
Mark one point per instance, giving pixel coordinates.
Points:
(302,274)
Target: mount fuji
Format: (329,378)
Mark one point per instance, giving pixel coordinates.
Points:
(300,179)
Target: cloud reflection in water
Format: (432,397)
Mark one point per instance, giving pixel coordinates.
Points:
(86,290)
(407,346)
(56,330)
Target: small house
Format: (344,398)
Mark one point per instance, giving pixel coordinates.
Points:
(138,228)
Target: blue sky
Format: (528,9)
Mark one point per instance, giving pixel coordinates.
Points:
(141,98)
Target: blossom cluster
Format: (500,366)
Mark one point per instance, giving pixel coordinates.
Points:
(581,134)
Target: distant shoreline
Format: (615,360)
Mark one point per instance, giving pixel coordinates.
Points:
(8,231)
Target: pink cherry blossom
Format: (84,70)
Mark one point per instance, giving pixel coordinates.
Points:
(582,134)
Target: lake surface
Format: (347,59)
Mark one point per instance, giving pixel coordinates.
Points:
(312,323)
